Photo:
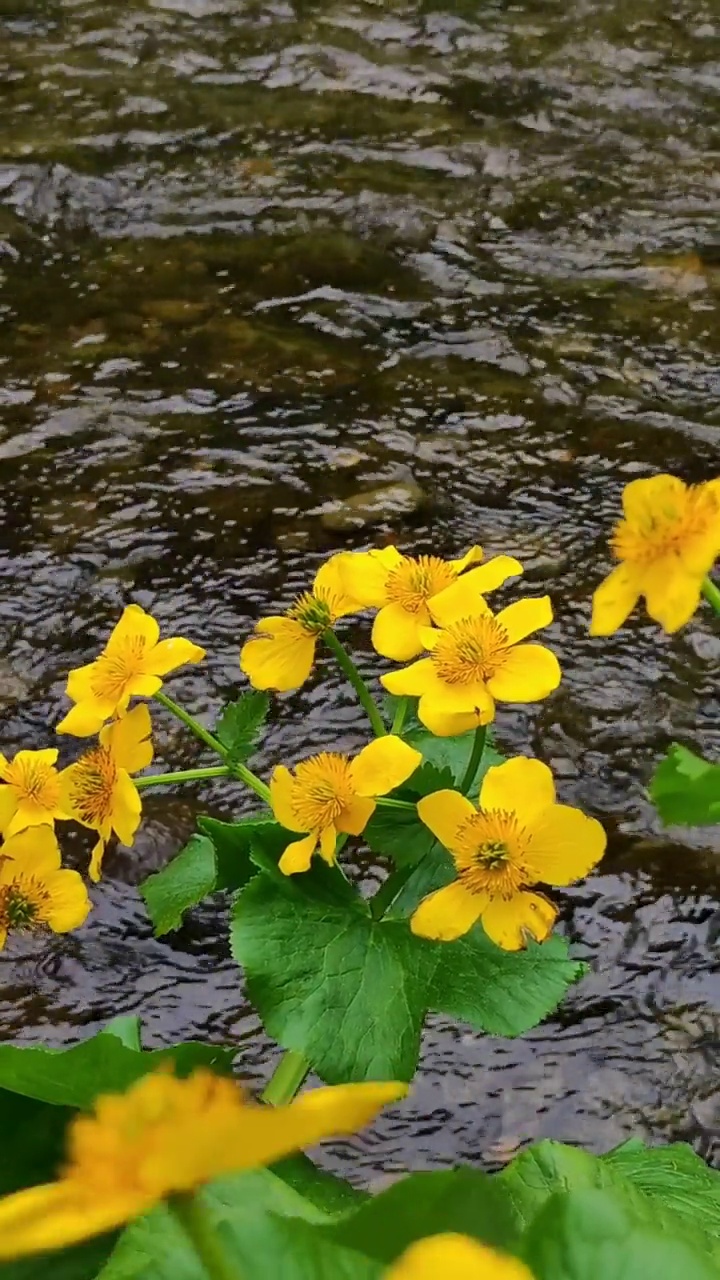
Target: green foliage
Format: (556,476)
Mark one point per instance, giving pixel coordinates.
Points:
(453,754)
(240,725)
(686,788)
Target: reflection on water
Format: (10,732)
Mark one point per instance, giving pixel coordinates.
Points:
(259,257)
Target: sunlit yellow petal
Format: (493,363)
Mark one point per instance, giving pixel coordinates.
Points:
(328,840)
(8,808)
(96,859)
(449,724)
(614,600)
(383,765)
(129,739)
(279,655)
(69,902)
(396,632)
(167,655)
(59,1214)
(35,848)
(412,680)
(281,793)
(365,574)
(86,718)
(521,786)
(643,498)
(298,855)
(355,816)
(46,756)
(80,683)
(527,673)
(564,845)
(460,600)
(455,1257)
(525,616)
(126,808)
(447,913)
(443,812)
(135,623)
(508,921)
(672,595)
(329,585)
(473,556)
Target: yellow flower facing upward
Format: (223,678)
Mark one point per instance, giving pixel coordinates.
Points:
(34,889)
(131,665)
(98,791)
(330,793)
(476,657)
(167,1136)
(29,791)
(518,837)
(454,1257)
(280,653)
(666,543)
(402,587)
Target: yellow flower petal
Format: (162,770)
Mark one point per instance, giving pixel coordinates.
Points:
(69,902)
(281,793)
(86,719)
(461,599)
(328,840)
(365,574)
(329,585)
(129,739)
(447,913)
(671,594)
(642,498)
(8,808)
(383,765)
(614,600)
(443,812)
(528,673)
(396,632)
(354,817)
(411,681)
(96,859)
(167,655)
(80,682)
(525,616)
(279,655)
(127,808)
(59,1214)
(134,624)
(473,556)
(454,1257)
(507,921)
(298,855)
(35,848)
(449,724)
(521,786)
(564,845)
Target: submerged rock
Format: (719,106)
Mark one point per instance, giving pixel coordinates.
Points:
(14,688)
(375,506)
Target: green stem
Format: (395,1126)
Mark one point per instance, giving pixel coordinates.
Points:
(183,775)
(388,891)
(711,594)
(386,803)
(348,668)
(237,770)
(286,1079)
(401,711)
(198,1226)
(476,756)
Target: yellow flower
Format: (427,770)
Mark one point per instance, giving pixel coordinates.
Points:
(34,890)
(518,837)
(98,791)
(454,1257)
(30,796)
(666,544)
(167,1136)
(131,665)
(331,793)
(476,657)
(280,653)
(401,587)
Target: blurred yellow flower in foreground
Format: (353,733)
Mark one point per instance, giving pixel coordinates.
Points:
(331,793)
(34,889)
(666,543)
(30,796)
(131,665)
(517,837)
(167,1136)
(280,653)
(454,1257)
(401,587)
(98,791)
(476,657)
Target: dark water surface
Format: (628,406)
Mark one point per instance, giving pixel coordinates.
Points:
(258,256)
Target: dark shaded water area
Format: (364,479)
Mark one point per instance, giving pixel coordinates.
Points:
(259,257)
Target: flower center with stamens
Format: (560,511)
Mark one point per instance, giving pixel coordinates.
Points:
(113,671)
(94,778)
(35,782)
(470,650)
(322,788)
(415,581)
(490,853)
(22,903)
(667,530)
(315,614)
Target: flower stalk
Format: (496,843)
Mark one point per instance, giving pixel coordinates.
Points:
(196,1222)
(350,671)
(235,769)
(182,775)
(711,594)
(476,756)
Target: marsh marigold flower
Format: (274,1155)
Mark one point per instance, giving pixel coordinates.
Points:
(454,1257)
(476,657)
(330,793)
(402,587)
(29,791)
(34,889)
(131,665)
(98,791)
(167,1136)
(280,653)
(518,837)
(666,543)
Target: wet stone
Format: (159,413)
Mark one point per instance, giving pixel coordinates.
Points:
(375,506)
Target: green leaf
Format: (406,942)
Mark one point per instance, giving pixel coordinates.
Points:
(126,1027)
(428,778)
(502,992)
(346,991)
(454,754)
(399,834)
(330,1194)
(240,723)
(686,788)
(184,882)
(590,1235)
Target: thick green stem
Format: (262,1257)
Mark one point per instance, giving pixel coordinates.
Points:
(711,594)
(198,1226)
(236,770)
(385,802)
(401,711)
(476,756)
(388,891)
(286,1079)
(348,668)
(183,775)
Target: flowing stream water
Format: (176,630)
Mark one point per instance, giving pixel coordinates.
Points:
(259,257)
